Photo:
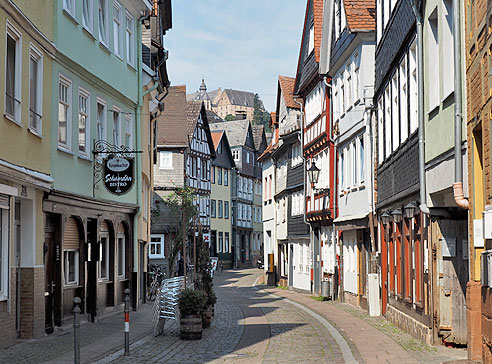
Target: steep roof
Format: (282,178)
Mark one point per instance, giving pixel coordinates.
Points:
(170,122)
(318,26)
(361,15)
(258,136)
(236,130)
(213,117)
(287,87)
(216,137)
(241,98)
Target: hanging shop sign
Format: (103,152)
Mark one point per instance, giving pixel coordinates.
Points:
(118,174)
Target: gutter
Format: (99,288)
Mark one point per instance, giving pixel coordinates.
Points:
(459,197)
(420,71)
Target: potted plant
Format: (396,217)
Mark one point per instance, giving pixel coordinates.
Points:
(190,304)
(207,311)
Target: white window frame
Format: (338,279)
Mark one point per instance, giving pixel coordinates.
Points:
(4,247)
(103,32)
(36,55)
(16,35)
(220,209)
(226,242)
(356,61)
(160,242)
(66,270)
(129,130)
(403,85)
(69,7)
(413,88)
(395,108)
(99,263)
(130,39)
(62,80)
(119,255)
(117,38)
(84,94)
(226,177)
(102,124)
(311,40)
(166,159)
(362,159)
(88,23)
(116,126)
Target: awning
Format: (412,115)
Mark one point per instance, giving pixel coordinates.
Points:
(350,222)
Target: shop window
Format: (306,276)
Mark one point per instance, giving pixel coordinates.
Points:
(71,266)
(121,256)
(103,263)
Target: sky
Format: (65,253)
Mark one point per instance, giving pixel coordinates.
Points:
(238,44)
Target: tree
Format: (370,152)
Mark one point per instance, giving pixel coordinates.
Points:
(260,115)
(178,203)
(230,117)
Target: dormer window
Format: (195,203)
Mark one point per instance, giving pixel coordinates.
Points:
(311,39)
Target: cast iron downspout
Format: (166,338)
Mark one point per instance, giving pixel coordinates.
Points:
(459,197)
(420,72)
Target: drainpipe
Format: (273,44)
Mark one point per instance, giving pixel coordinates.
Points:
(459,197)
(420,71)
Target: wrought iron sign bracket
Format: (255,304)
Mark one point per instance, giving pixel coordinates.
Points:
(104,148)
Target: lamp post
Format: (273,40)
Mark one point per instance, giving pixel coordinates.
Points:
(313,173)
(409,210)
(385,218)
(397,215)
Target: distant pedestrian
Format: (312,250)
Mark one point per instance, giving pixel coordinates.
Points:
(181,267)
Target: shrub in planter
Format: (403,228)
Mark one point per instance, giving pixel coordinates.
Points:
(191,304)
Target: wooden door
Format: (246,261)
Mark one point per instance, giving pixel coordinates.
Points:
(50,280)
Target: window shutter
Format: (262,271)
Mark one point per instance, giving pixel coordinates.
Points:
(71,238)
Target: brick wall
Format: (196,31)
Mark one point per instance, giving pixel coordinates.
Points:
(32,302)
(409,325)
(7,316)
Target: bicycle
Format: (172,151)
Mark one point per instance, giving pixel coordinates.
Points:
(156,276)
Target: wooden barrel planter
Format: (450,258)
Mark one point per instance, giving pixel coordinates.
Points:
(207,317)
(191,327)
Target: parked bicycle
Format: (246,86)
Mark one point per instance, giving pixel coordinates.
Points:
(156,276)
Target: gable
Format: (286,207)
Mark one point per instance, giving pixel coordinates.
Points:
(249,138)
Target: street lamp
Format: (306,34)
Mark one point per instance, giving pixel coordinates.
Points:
(385,218)
(409,210)
(313,173)
(397,215)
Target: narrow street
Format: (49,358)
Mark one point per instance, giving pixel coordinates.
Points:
(252,324)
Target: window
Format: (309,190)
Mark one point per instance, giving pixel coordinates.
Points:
(247,157)
(448,50)
(297,207)
(128,130)
(395,115)
(64,113)
(219,148)
(101,120)
(226,209)
(342,171)
(116,127)
(156,247)
(296,154)
(84,124)
(414,123)
(87,14)
(71,266)
(13,74)
(361,158)
(236,155)
(219,175)
(356,77)
(213,175)
(380,131)
(355,164)
(35,90)
(433,50)
(214,206)
(387,121)
(221,214)
(117,28)
(103,21)
(226,242)
(146,196)
(226,177)
(311,39)
(221,242)
(404,127)
(259,215)
(165,160)
(349,85)
(4,247)
(121,256)
(69,7)
(130,57)
(104,262)
(342,97)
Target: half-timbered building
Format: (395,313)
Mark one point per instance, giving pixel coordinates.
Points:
(185,152)
(318,147)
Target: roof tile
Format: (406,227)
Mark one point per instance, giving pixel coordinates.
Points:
(361,15)
(287,87)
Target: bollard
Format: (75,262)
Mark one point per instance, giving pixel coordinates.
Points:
(76,327)
(127,321)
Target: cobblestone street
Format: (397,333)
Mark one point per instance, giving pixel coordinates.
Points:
(252,324)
